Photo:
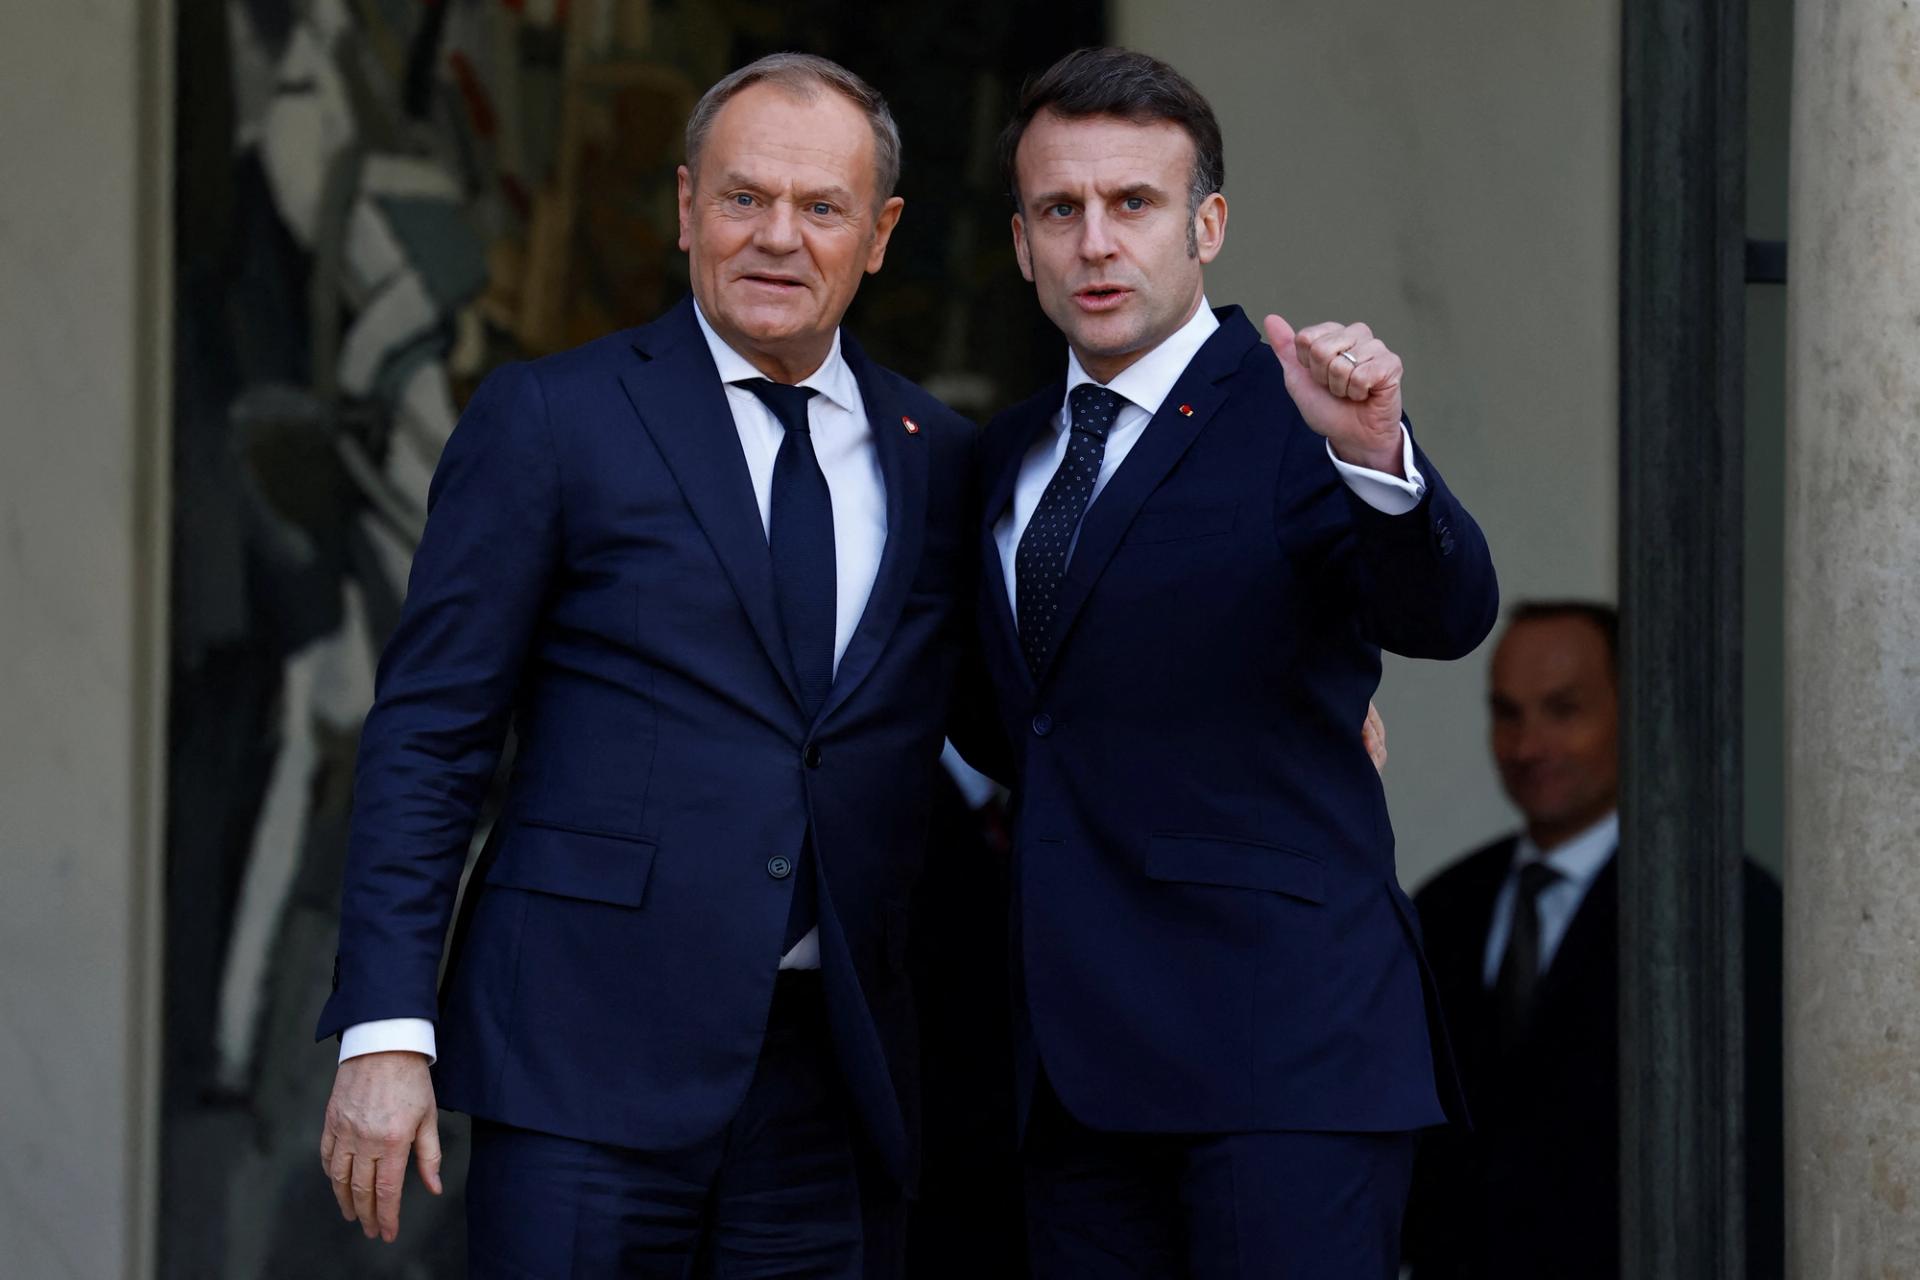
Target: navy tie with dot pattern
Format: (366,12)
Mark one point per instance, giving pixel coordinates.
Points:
(1040,564)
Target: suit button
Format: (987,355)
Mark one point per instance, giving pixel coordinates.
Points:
(811,755)
(1042,725)
(779,868)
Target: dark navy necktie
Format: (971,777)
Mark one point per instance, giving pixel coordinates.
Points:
(800,537)
(1519,975)
(1040,563)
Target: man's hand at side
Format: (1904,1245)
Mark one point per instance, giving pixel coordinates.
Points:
(1373,732)
(382,1107)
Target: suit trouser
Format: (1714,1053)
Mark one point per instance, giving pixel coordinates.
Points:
(779,1192)
(1243,1206)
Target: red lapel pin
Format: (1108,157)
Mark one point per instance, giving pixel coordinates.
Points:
(913,428)
(1186,410)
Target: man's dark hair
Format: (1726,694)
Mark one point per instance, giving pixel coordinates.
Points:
(1603,616)
(1132,86)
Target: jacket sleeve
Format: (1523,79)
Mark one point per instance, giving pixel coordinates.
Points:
(443,699)
(1423,582)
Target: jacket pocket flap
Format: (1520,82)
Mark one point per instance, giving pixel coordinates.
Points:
(573,864)
(1238,864)
(1181,523)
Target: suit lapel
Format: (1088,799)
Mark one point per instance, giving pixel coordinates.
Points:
(676,392)
(1201,389)
(903,469)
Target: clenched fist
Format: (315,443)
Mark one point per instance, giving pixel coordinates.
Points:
(1346,384)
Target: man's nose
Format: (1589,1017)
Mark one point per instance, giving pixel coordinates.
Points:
(778,230)
(1529,745)
(1096,236)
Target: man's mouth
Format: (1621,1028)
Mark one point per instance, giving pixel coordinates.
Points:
(1101,297)
(767,280)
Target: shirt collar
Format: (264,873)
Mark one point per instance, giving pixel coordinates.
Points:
(833,379)
(1149,380)
(1579,859)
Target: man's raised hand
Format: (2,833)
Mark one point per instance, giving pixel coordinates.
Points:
(1346,384)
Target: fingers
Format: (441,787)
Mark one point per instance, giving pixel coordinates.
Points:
(1355,368)
(426,1148)
(1280,337)
(340,1175)
(1373,369)
(1346,359)
(1373,732)
(360,1188)
(1320,345)
(389,1179)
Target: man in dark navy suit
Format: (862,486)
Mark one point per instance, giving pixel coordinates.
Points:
(1203,542)
(1524,940)
(710,570)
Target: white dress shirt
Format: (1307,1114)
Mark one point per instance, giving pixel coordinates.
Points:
(1579,862)
(1145,384)
(843,442)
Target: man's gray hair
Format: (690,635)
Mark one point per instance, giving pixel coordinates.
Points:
(804,75)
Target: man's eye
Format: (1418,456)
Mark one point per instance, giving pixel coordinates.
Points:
(821,209)
(1060,211)
(743,200)
(1135,204)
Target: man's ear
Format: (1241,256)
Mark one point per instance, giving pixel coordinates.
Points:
(883,231)
(1022,254)
(685,177)
(1210,228)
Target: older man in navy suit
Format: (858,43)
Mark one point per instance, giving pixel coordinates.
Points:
(1226,1033)
(710,570)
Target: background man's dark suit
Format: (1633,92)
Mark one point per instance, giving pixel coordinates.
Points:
(1533,1191)
(615,974)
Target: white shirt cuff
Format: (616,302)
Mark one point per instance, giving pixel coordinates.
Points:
(388,1035)
(1382,492)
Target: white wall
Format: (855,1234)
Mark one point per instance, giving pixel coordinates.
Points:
(81,558)
(1448,173)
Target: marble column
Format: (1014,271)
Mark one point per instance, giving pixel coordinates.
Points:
(1853,643)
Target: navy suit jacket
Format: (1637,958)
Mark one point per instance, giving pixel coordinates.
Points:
(595,572)
(1208,928)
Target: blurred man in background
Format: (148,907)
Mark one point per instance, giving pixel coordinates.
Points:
(1523,939)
